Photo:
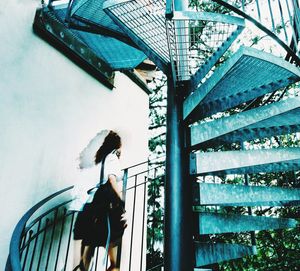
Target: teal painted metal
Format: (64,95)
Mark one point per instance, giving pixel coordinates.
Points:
(145,25)
(245,162)
(97,48)
(169,8)
(274,119)
(240,195)
(90,17)
(289,48)
(206,254)
(76,5)
(207,109)
(178,239)
(208,16)
(214,223)
(50,28)
(248,74)
(212,60)
(188,41)
(88,22)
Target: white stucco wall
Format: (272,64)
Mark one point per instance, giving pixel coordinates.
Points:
(49,110)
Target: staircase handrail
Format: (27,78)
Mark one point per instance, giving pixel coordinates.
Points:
(14,259)
(271,33)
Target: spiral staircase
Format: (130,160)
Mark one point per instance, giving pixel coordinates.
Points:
(203,87)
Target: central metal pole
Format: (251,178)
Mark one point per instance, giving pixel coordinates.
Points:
(178,233)
(178,243)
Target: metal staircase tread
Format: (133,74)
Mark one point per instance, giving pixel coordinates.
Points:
(152,42)
(161,39)
(206,253)
(212,60)
(245,162)
(248,74)
(210,194)
(215,223)
(274,119)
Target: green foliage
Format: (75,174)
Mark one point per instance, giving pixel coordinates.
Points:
(154,222)
(278,249)
(208,6)
(155,209)
(154,260)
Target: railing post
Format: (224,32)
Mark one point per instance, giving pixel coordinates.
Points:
(124,188)
(178,243)
(8,264)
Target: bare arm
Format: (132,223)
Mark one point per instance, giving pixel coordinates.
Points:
(113,181)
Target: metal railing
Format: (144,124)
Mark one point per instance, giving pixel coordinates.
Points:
(31,244)
(279,19)
(42,239)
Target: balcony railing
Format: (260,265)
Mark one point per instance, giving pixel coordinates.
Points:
(42,239)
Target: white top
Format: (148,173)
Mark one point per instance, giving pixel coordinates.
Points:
(111,167)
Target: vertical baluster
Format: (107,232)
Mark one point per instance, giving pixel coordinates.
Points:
(125,179)
(258,9)
(106,262)
(51,239)
(43,243)
(69,240)
(22,243)
(282,21)
(27,249)
(132,221)
(35,244)
(296,17)
(143,224)
(272,16)
(292,25)
(153,210)
(243,5)
(96,258)
(60,237)
(124,189)
(295,5)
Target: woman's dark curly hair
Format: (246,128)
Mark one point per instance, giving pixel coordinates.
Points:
(111,142)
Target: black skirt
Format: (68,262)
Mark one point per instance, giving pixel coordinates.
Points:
(91,225)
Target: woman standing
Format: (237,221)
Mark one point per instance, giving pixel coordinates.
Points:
(101,222)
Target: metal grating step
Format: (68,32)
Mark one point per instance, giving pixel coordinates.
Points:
(116,52)
(90,13)
(275,119)
(248,74)
(177,40)
(206,254)
(241,195)
(213,223)
(213,59)
(245,162)
(144,22)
